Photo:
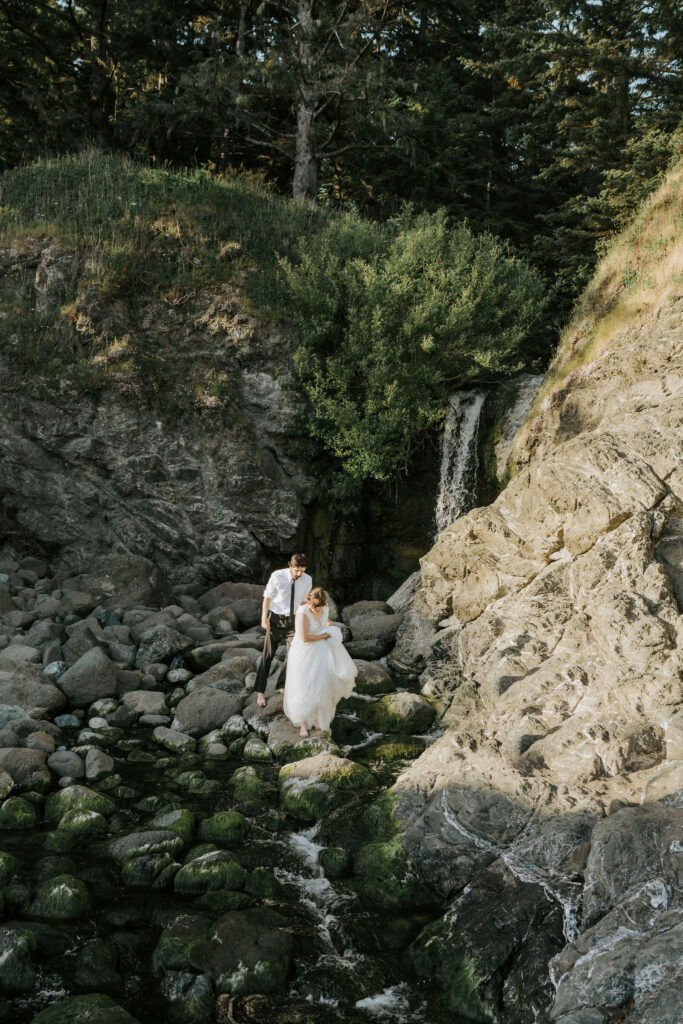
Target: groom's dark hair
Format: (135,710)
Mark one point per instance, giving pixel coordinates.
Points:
(300,561)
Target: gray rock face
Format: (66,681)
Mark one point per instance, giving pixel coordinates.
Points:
(204,710)
(224,491)
(93,676)
(548,633)
(26,687)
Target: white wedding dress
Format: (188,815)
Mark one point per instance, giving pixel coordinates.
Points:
(319,674)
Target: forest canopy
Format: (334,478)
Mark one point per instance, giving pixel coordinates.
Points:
(542,122)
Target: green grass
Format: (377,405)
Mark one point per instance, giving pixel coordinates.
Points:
(142,236)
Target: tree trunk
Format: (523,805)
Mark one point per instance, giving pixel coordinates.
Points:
(305,183)
(98,73)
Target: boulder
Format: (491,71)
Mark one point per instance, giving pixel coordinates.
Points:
(361,608)
(27,768)
(145,702)
(89,1009)
(376,627)
(225,594)
(160,643)
(398,712)
(18,654)
(25,686)
(372,678)
(223,676)
(205,709)
(66,762)
(174,740)
(311,788)
(93,676)
(124,581)
(287,745)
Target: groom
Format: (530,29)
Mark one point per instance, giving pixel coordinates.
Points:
(284,593)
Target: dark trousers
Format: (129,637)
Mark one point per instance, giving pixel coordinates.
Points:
(281,628)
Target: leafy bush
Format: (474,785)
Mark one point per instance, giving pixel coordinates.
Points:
(392,318)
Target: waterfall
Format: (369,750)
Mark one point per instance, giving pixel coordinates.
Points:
(459,456)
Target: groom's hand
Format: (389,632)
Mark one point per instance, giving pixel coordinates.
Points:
(265,623)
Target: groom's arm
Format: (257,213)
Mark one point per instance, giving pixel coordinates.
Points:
(265,622)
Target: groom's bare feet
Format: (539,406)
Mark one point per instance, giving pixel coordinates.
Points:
(260,701)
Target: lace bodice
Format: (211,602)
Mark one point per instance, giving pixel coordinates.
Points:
(315,625)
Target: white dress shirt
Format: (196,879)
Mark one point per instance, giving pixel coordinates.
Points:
(279,590)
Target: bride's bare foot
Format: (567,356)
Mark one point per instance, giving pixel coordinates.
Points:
(260,701)
(303,732)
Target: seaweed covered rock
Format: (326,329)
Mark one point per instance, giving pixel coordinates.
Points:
(90,1009)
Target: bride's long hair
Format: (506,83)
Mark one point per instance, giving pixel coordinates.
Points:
(317,598)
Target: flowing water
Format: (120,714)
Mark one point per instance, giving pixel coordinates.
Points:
(459,457)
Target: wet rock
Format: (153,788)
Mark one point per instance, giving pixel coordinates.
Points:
(17,947)
(98,764)
(76,798)
(399,712)
(287,745)
(255,749)
(249,790)
(90,1009)
(368,650)
(6,784)
(62,898)
(96,965)
(16,814)
(27,768)
(372,678)
(160,643)
(244,951)
(205,709)
(222,677)
(199,659)
(215,870)
(336,862)
(25,686)
(136,844)
(227,827)
(363,608)
(180,821)
(389,750)
(93,676)
(190,997)
(9,738)
(173,740)
(145,702)
(377,627)
(311,788)
(40,740)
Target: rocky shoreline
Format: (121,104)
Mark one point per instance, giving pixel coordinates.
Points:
(168,846)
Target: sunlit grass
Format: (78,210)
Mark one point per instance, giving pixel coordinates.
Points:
(641,272)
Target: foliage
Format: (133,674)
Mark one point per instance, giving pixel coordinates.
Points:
(391,319)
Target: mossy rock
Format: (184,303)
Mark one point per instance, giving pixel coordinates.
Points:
(96,965)
(263,883)
(438,957)
(368,650)
(83,823)
(16,813)
(90,1009)
(17,947)
(311,788)
(16,899)
(140,757)
(76,798)
(219,901)
(373,678)
(150,870)
(406,713)
(216,870)
(179,820)
(62,898)
(198,851)
(336,862)
(190,997)
(391,749)
(223,827)
(9,866)
(361,822)
(384,878)
(48,867)
(249,790)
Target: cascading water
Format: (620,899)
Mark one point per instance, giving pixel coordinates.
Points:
(459,456)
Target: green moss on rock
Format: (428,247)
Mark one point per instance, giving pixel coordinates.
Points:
(311,788)
(223,827)
(9,865)
(399,713)
(91,1009)
(76,798)
(216,870)
(17,946)
(179,820)
(16,813)
(249,790)
(62,898)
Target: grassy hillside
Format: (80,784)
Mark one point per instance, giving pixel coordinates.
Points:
(640,273)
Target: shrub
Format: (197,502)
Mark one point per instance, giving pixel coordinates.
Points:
(392,318)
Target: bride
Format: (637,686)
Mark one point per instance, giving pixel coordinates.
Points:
(320,670)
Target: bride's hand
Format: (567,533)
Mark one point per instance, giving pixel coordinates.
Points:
(324,636)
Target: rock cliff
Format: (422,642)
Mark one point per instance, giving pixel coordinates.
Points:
(549,631)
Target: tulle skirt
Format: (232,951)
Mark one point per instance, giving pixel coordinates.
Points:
(319,674)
